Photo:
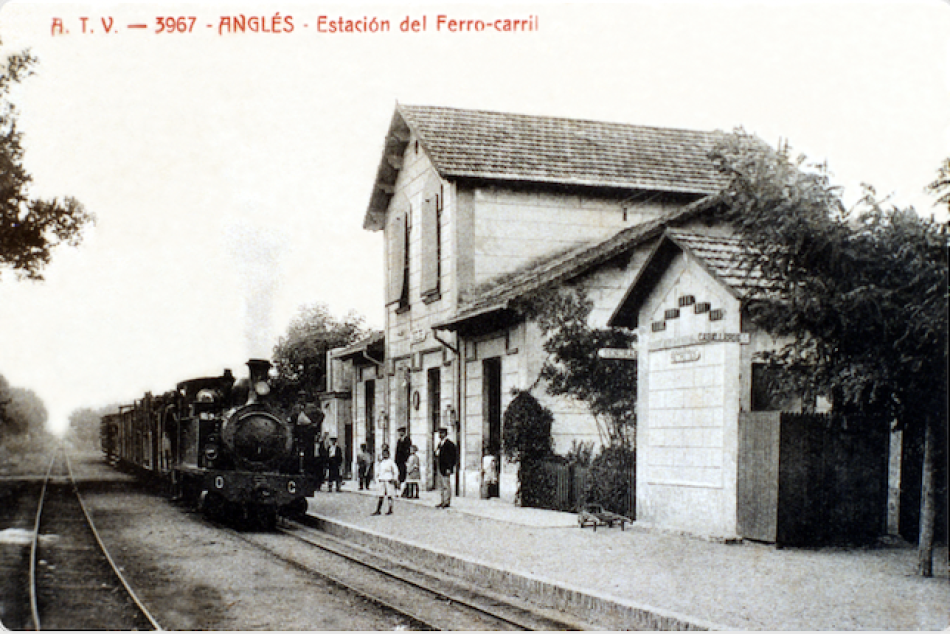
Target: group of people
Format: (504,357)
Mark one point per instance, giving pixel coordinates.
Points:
(403,472)
(326,461)
(398,475)
(329,463)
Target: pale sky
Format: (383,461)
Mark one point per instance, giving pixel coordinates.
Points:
(230,171)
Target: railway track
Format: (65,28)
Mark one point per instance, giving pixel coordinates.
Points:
(74,582)
(427,601)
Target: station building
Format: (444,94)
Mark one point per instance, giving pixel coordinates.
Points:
(481,209)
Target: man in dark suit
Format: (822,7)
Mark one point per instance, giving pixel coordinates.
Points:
(403,447)
(446,457)
(334,464)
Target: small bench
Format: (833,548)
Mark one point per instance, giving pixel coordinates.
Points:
(594,515)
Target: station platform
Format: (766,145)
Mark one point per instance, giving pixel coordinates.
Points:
(644,578)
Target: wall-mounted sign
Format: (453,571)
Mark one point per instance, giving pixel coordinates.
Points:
(419,335)
(725,337)
(625,354)
(685,355)
(699,338)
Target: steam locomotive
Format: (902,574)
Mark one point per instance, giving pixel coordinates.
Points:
(218,443)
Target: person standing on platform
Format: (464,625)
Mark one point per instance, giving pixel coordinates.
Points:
(446,457)
(413,474)
(364,467)
(306,433)
(334,466)
(403,446)
(387,475)
(323,459)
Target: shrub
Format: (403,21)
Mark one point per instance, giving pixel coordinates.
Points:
(526,439)
(611,479)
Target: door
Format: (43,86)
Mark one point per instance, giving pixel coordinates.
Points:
(491,432)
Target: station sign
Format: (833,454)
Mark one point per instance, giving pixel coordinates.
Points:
(700,338)
(623,354)
(724,337)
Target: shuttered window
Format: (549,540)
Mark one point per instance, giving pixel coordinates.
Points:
(398,252)
(431,237)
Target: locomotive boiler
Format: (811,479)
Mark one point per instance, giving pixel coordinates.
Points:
(218,443)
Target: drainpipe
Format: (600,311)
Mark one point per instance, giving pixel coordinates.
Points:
(458,399)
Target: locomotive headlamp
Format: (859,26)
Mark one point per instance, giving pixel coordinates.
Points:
(205,396)
(262,388)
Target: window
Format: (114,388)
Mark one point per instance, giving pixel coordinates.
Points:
(768,393)
(398,234)
(406,258)
(432,238)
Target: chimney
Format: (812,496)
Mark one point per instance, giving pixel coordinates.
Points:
(258,370)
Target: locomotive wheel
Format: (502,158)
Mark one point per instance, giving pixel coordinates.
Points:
(262,517)
(214,506)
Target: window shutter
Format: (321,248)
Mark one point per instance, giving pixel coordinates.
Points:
(430,236)
(397,258)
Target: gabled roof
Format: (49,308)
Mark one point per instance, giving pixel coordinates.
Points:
(498,295)
(477,144)
(720,255)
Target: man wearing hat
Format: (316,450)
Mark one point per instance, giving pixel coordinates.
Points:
(403,449)
(446,457)
(335,461)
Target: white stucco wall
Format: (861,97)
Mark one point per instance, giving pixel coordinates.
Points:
(510,229)
(688,407)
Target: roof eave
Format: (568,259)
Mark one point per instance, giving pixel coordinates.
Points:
(455,323)
(625,185)
(390,163)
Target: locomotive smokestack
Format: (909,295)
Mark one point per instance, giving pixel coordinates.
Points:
(259,386)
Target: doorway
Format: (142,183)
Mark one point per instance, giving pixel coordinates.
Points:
(369,409)
(434,401)
(491,431)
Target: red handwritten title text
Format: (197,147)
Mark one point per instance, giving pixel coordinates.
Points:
(282,24)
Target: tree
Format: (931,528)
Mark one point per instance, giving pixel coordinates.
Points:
(84,424)
(22,412)
(941,186)
(300,356)
(573,367)
(5,428)
(30,228)
(607,386)
(860,294)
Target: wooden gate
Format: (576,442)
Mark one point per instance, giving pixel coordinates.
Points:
(810,479)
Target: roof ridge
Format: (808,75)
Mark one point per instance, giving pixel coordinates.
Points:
(403,106)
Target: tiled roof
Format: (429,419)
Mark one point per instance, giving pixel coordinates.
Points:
(374,339)
(497,294)
(517,147)
(723,257)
